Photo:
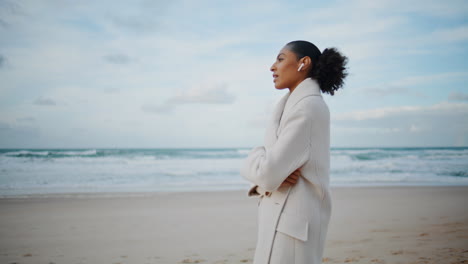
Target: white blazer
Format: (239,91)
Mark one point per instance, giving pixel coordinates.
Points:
(293,221)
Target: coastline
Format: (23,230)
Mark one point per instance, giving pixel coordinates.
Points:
(369,224)
(136,194)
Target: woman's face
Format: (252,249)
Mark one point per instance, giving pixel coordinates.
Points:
(285,74)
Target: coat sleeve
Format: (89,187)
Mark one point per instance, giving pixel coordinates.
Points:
(269,167)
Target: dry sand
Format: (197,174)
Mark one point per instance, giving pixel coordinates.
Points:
(368,225)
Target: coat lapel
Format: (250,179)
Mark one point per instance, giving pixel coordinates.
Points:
(271,132)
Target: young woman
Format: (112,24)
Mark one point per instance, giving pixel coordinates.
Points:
(290,173)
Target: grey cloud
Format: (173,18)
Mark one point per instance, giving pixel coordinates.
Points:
(402,112)
(391,90)
(134,24)
(440,124)
(44,101)
(405,85)
(458,96)
(117,59)
(26,119)
(4,126)
(385,90)
(216,94)
(8,9)
(145,18)
(111,90)
(2,61)
(159,109)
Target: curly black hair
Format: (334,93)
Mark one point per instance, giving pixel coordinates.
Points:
(328,67)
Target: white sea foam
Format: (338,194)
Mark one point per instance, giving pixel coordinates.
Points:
(25,152)
(78,153)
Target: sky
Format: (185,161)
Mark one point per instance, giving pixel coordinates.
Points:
(189,74)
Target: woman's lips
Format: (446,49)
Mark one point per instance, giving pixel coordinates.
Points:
(274,77)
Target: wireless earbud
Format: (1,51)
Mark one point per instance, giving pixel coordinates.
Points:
(300,67)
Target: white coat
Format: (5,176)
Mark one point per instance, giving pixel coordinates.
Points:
(293,221)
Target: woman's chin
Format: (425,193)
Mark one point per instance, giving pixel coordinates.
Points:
(279,87)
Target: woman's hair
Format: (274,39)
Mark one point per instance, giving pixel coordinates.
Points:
(328,67)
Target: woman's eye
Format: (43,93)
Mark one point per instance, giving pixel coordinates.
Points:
(280,59)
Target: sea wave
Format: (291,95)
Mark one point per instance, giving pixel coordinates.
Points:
(100,170)
(49,153)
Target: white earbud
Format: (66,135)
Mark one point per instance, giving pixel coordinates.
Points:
(300,67)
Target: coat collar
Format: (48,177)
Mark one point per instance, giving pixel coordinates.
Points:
(308,87)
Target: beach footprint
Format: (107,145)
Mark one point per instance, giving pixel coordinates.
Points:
(189,260)
(397,252)
(224,261)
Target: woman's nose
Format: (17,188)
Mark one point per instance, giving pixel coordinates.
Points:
(272,68)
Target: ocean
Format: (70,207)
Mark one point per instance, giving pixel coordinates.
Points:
(53,171)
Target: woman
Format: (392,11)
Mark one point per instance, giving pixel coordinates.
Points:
(290,173)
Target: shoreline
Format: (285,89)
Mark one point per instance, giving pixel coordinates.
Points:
(136,194)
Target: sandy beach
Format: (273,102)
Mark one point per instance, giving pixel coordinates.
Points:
(368,225)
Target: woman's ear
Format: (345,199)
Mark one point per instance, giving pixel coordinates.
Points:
(307,63)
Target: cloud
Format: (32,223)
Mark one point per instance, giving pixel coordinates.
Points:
(378,33)
(207,94)
(117,58)
(44,101)
(415,128)
(423,79)
(455,34)
(2,61)
(4,126)
(442,40)
(160,109)
(111,90)
(443,108)
(204,94)
(458,96)
(134,23)
(8,9)
(26,119)
(140,18)
(389,90)
(434,8)
(405,85)
(441,124)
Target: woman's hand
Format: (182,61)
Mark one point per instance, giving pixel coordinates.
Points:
(292,178)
